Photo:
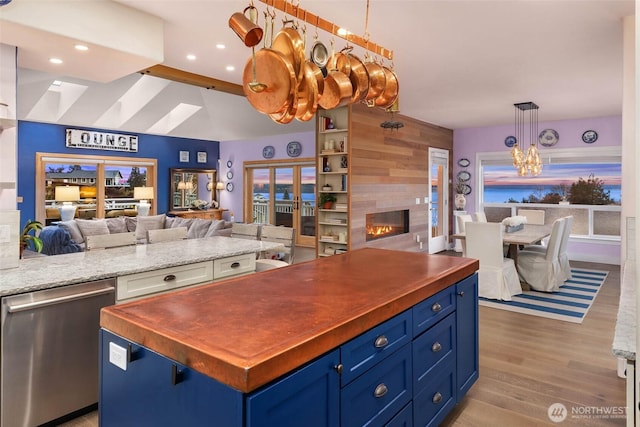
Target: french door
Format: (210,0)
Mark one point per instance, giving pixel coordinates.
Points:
(438,200)
(283,193)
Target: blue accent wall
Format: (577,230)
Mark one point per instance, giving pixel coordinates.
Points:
(36,137)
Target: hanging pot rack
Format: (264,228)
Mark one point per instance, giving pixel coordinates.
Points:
(328,26)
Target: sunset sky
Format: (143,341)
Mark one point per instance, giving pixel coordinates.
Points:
(554,174)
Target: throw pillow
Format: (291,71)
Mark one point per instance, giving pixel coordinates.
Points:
(116,225)
(216,226)
(132,222)
(92,227)
(146,223)
(182,222)
(199,228)
(73,229)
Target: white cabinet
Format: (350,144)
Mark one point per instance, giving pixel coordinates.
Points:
(333,180)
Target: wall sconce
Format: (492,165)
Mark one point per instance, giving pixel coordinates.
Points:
(143,194)
(67,194)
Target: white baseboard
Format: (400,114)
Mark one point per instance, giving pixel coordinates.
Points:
(595,258)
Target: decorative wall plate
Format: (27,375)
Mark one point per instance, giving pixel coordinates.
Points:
(229,175)
(548,138)
(590,136)
(467,190)
(464,176)
(229,163)
(294,148)
(268,152)
(463,163)
(229,186)
(510,141)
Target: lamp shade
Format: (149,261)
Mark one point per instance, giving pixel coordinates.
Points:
(66,193)
(219,185)
(143,193)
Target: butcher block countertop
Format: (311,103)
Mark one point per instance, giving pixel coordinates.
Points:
(248,331)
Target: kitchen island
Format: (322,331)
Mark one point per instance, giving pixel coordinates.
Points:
(371,334)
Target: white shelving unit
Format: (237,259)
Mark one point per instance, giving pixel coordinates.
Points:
(332,143)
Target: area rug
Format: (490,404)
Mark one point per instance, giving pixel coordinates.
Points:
(570,304)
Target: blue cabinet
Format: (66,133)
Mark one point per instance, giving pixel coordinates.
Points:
(410,370)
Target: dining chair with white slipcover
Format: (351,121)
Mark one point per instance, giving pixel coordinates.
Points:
(541,269)
(480,217)
(460,222)
(277,234)
(563,257)
(497,276)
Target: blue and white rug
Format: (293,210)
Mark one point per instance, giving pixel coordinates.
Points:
(570,304)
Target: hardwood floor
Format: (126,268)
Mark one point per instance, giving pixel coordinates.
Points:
(527,363)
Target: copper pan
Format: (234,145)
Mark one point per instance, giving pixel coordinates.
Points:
(391,89)
(277,74)
(337,90)
(288,113)
(377,80)
(340,61)
(308,90)
(359,79)
(317,74)
(289,42)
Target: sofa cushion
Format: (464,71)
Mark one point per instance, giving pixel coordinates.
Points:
(199,228)
(92,227)
(73,229)
(116,225)
(146,223)
(217,225)
(179,222)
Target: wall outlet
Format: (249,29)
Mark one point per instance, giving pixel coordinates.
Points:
(417,200)
(118,356)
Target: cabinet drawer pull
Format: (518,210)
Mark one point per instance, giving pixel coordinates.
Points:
(461,293)
(437,398)
(380,390)
(436,307)
(338,368)
(381,341)
(169,277)
(176,375)
(436,347)
(235,264)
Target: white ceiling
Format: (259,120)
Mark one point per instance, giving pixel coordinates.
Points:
(460,64)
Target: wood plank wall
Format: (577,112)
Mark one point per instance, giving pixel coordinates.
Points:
(388,171)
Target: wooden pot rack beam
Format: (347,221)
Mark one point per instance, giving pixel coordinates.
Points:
(328,26)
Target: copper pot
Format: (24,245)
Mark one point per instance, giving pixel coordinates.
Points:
(273,70)
(337,90)
(359,79)
(377,80)
(307,94)
(245,27)
(391,89)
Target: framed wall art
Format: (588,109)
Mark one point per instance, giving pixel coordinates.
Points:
(184,156)
(202,157)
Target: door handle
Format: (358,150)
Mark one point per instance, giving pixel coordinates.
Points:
(34,305)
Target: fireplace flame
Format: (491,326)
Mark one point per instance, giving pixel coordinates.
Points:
(379,230)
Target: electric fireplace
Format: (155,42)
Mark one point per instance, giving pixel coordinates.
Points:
(386,224)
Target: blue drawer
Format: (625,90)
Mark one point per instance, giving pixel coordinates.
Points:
(364,351)
(374,398)
(403,419)
(433,350)
(432,404)
(433,309)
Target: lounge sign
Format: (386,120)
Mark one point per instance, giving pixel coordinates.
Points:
(77,138)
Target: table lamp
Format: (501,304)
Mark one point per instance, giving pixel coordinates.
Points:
(219,186)
(67,194)
(143,194)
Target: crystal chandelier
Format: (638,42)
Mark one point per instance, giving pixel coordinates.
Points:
(529,163)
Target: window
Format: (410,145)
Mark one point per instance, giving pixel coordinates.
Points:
(105,183)
(578,182)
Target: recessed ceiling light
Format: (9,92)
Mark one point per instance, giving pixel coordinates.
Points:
(191,57)
(230,68)
(81,47)
(220,46)
(57,83)
(55,60)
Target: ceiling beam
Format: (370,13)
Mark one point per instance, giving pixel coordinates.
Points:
(176,75)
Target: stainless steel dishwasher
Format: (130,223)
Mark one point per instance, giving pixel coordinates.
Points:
(49,359)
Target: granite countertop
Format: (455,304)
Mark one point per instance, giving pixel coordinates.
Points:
(59,270)
(247,331)
(624,339)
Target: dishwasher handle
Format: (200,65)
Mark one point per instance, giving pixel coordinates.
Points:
(58,300)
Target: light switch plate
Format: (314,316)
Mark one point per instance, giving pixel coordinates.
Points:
(426,199)
(417,200)
(118,356)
